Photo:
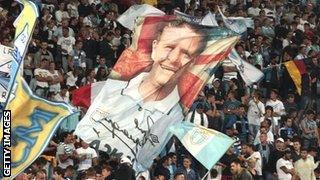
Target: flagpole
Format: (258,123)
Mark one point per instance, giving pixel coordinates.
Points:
(205,175)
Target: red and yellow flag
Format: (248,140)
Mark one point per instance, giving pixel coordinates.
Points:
(296,69)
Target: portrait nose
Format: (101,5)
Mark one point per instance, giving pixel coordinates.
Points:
(174,57)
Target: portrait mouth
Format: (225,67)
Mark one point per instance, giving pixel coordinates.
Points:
(169,68)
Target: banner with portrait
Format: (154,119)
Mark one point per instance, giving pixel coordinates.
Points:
(155,81)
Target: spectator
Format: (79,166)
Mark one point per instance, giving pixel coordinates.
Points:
(239,173)
(255,111)
(285,169)
(43,53)
(66,151)
(296,153)
(278,108)
(87,157)
(230,109)
(66,44)
(188,172)
(255,158)
(305,166)
(57,78)
(43,78)
(179,176)
(58,173)
(198,116)
(61,13)
(265,148)
(309,130)
(162,167)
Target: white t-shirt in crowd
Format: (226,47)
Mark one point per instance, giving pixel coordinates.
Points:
(258,166)
(197,119)
(254,11)
(71,79)
(56,88)
(281,174)
(90,154)
(42,73)
(255,111)
(278,107)
(67,44)
(64,149)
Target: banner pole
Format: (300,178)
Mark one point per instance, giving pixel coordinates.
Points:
(205,175)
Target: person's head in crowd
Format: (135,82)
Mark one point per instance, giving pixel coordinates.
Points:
(65,32)
(62,6)
(296,19)
(106,171)
(41,175)
(66,137)
(187,162)
(166,161)
(216,82)
(179,176)
(173,157)
(39,164)
(109,36)
(296,144)
(242,110)
(44,46)
(22,176)
(269,110)
(304,153)
(313,151)
(58,173)
(302,50)
(274,94)
(231,94)
(230,131)
(90,173)
(288,122)
(247,149)
(84,145)
(200,108)
(310,115)
(235,166)
(78,45)
(65,23)
(160,177)
(44,63)
(256,3)
(287,154)
(263,138)
(290,98)
(280,145)
(211,97)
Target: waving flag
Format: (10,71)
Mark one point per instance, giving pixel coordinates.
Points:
(237,24)
(206,145)
(84,96)
(33,120)
(33,123)
(296,69)
(24,25)
(248,72)
(5,65)
(154,84)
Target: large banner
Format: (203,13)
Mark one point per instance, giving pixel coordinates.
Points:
(158,78)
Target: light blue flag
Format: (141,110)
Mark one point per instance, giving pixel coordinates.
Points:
(237,24)
(206,145)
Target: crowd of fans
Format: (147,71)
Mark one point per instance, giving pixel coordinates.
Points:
(276,130)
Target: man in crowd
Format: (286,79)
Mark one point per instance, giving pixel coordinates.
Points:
(285,169)
(239,173)
(305,166)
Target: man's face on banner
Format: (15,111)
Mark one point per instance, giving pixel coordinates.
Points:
(173,51)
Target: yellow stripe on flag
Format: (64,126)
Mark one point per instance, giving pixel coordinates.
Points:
(295,74)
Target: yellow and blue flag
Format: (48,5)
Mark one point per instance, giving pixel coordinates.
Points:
(33,119)
(24,24)
(202,142)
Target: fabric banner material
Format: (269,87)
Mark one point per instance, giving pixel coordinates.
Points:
(296,69)
(5,65)
(34,121)
(85,95)
(24,25)
(206,145)
(248,72)
(158,78)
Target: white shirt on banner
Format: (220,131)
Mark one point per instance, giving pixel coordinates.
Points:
(124,124)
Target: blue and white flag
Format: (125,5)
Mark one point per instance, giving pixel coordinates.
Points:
(237,24)
(209,20)
(206,145)
(249,73)
(5,65)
